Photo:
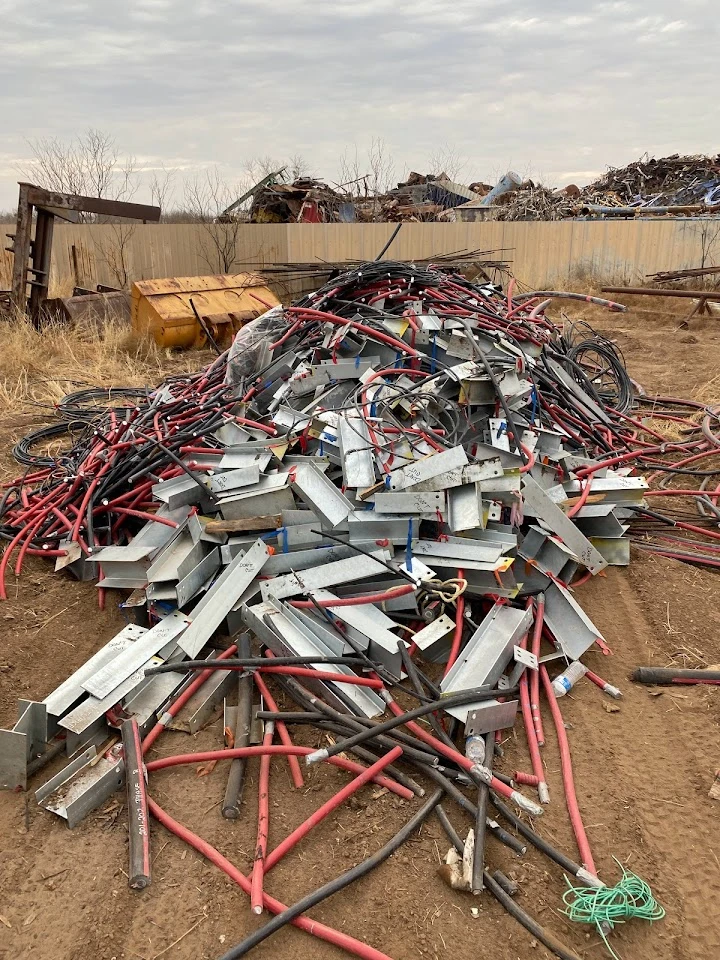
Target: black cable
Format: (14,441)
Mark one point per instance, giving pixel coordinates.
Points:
(205,329)
(455,700)
(414,676)
(525,920)
(334,886)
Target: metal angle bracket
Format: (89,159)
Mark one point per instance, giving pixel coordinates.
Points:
(486,654)
(524,660)
(83,785)
(219,600)
(569,624)
(321,494)
(490,715)
(537,503)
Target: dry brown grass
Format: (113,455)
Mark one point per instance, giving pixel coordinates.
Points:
(38,367)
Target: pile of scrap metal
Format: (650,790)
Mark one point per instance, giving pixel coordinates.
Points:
(303,201)
(420,197)
(675,181)
(672,186)
(384,494)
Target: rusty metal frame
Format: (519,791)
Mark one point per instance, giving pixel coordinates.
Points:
(48,205)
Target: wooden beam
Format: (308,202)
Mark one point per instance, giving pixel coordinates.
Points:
(242,526)
(21,247)
(39,197)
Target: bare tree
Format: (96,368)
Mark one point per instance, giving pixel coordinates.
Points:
(162,186)
(370,176)
(89,165)
(297,167)
(447,159)
(115,251)
(206,197)
(709,235)
(350,174)
(382,166)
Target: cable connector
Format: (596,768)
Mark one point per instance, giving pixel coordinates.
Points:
(529,806)
(589,878)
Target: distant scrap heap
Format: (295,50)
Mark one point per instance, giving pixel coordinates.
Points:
(670,186)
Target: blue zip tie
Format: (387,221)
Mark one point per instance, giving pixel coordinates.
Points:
(533,409)
(357,362)
(373,410)
(321,449)
(387,481)
(408,547)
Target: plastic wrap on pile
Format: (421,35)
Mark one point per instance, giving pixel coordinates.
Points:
(250,350)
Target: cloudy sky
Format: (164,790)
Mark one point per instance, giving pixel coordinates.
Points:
(555,89)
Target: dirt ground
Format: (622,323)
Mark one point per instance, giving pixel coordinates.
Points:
(643,775)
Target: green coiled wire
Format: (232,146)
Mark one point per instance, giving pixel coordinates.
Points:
(630,897)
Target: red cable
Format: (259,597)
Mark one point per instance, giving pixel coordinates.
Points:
(534,684)
(317,929)
(368,331)
(180,702)
(281,750)
(582,499)
(340,797)
(291,671)
(293,762)
(533,748)
(263,825)
(357,601)
(459,622)
(568,783)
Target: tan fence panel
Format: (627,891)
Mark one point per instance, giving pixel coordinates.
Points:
(541,253)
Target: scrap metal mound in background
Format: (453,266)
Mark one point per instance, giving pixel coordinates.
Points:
(403,462)
(644,185)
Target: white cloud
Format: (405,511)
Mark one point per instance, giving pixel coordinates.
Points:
(546,85)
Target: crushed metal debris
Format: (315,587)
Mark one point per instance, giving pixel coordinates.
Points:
(387,493)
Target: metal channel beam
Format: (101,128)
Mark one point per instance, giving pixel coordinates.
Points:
(286,640)
(356,452)
(195,580)
(487,653)
(83,786)
(364,700)
(426,504)
(569,624)
(92,708)
(111,675)
(472,473)
(538,504)
(468,550)
(317,578)
(70,690)
(234,479)
(217,603)
(465,508)
(321,494)
(372,623)
(422,470)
